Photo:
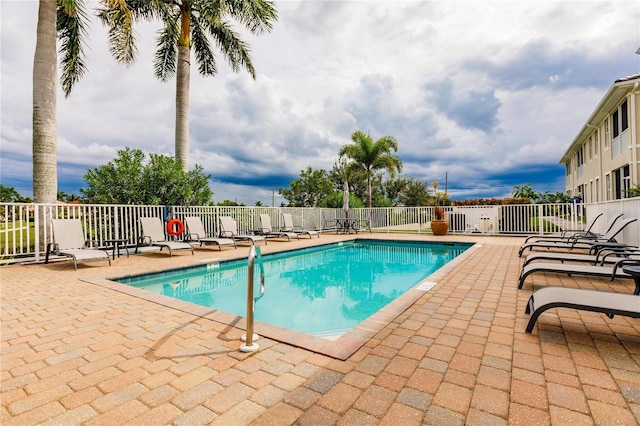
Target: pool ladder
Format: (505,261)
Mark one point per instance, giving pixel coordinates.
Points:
(249,337)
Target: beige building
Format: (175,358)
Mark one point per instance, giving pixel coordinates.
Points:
(603,159)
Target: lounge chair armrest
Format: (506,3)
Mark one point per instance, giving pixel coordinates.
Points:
(585,239)
(539,239)
(599,245)
(91,243)
(615,252)
(193,237)
(621,263)
(578,237)
(602,252)
(145,240)
(51,247)
(575,232)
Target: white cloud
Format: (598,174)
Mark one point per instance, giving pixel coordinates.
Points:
(485,93)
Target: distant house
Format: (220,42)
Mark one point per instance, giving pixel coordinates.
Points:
(603,159)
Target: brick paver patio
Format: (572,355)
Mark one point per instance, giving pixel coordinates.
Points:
(76,352)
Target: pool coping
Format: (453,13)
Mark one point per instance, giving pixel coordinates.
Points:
(341,348)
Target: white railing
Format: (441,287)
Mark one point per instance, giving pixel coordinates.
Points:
(25,229)
(630,208)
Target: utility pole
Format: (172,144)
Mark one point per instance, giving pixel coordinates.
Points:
(446,182)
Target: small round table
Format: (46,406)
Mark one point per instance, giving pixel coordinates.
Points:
(634,271)
(115,244)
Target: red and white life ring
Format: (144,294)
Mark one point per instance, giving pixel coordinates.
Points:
(171,228)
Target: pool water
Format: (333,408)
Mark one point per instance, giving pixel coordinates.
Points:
(323,291)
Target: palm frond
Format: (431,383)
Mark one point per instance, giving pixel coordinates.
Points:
(210,11)
(70,25)
(257,16)
(236,51)
(389,163)
(146,9)
(202,49)
(389,142)
(118,17)
(166,11)
(164,64)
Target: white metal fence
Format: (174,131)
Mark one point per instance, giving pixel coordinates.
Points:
(630,208)
(25,229)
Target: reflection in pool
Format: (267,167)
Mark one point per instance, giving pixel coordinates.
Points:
(323,290)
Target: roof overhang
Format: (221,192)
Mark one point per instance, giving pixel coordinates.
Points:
(611,99)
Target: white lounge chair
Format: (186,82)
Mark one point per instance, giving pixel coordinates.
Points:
(268,232)
(229,229)
(605,255)
(570,269)
(197,234)
(571,233)
(287,219)
(587,300)
(70,241)
(579,243)
(153,235)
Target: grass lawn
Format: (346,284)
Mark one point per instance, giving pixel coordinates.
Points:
(547,225)
(21,237)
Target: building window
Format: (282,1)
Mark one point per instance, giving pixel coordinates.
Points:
(620,120)
(606,133)
(626,181)
(580,162)
(596,138)
(621,182)
(620,124)
(590,148)
(580,157)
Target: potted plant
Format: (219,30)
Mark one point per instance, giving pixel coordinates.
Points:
(440,224)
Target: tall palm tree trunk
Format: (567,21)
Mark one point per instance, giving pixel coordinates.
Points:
(45,173)
(182,95)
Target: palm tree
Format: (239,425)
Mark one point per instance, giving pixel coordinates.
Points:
(369,156)
(63,20)
(524,191)
(45,175)
(188,24)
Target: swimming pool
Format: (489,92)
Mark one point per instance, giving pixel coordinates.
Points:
(323,291)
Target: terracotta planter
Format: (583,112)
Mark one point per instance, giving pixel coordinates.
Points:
(439,227)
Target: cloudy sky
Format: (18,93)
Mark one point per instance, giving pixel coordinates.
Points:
(487,95)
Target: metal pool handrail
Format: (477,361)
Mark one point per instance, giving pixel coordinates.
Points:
(249,337)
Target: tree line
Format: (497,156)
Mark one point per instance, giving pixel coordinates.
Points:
(366,168)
